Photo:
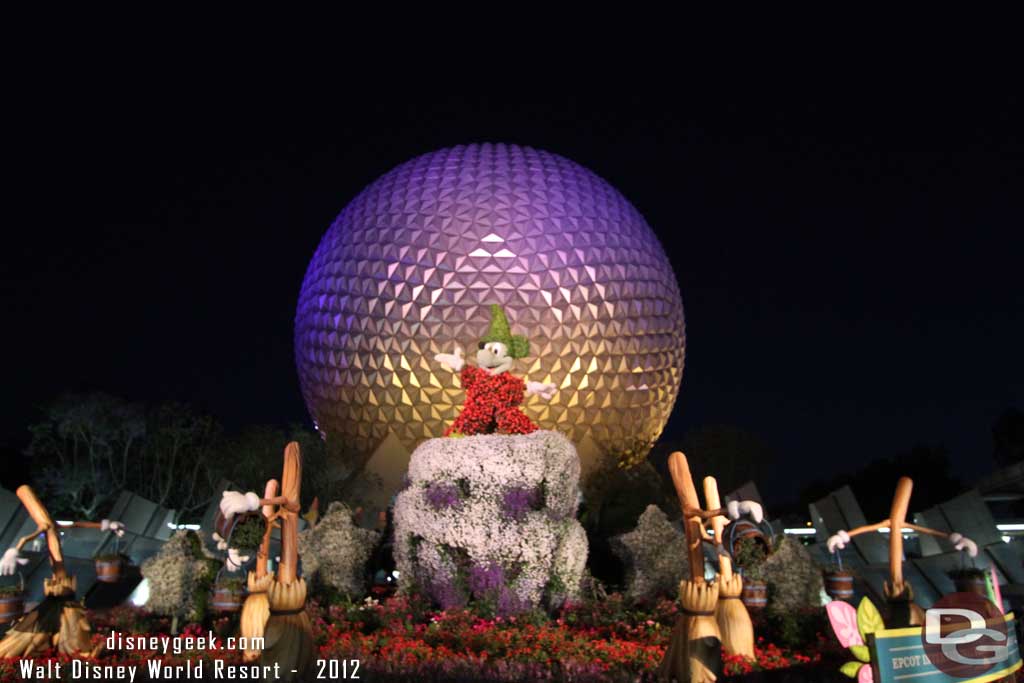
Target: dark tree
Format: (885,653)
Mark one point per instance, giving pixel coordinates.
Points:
(252,456)
(88,448)
(84,450)
(874,483)
(730,453)
(1008,438)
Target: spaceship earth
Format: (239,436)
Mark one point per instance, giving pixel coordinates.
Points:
(410,267)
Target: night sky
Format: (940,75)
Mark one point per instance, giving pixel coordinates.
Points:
(849,265)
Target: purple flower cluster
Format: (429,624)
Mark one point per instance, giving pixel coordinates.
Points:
(490,582)
(441,496)
(519,500)
(508,603)
(485,579)
(447,594)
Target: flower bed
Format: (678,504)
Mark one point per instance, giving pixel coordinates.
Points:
(608,641)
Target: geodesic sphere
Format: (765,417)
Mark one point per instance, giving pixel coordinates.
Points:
(410,267)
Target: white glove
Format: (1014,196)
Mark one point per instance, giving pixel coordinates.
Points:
(545,390)
(236,503)
(11,560)
(116,527)
(961,542)
(738,508)
(452,361)
(838,541)
(235,561)
(221,543)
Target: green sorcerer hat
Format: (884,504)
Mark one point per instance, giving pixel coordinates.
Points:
(518,346)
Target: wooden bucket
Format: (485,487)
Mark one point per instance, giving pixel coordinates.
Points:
(227,599)
(839,585)
(746,529)
(109,570)
(12,606)
(755,594)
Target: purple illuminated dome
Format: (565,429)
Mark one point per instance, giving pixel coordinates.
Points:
(411,266)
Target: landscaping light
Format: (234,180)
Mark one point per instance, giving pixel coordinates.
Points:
(140,596)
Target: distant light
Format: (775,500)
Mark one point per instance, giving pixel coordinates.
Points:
(64,522)
(1010,527)
(1006,539)
(395,574)
(190,527)
(140,596)
(799,531)
(885,530)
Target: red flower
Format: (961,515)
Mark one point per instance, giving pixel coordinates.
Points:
(491,405)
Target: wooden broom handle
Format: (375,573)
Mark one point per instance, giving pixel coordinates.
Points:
(291,482)
(897,516)
(42,518)
(687,493)
(885,524)
(718,524)
(268,515)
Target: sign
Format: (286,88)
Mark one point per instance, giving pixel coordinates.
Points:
(905,655)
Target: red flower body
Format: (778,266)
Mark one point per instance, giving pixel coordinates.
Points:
(492,404)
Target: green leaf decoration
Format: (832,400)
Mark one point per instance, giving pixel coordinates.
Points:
(861,652)
(850,669)
(868,618)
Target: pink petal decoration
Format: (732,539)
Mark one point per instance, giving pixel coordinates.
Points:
(864,674)
(843,618)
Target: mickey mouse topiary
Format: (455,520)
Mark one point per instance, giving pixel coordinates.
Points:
(493,394)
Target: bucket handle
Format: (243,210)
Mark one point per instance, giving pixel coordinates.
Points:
(766,530)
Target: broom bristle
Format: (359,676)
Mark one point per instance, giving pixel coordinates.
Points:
(255,612)
(674,666)
(54,622)
(901,610)
(290,644)
(253,622)
(704,642)
(289,636)
(734,623)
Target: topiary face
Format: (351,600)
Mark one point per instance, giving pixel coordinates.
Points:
(494,357)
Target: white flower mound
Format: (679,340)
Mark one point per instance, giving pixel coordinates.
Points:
(476,503)
(655,556)
(176,576)
(335,551)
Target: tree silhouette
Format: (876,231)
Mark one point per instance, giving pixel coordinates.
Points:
(928,466)
(730,453)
